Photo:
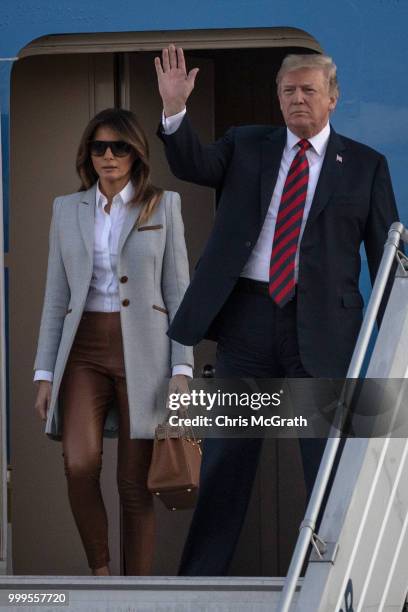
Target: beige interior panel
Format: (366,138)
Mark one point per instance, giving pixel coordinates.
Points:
(52,100)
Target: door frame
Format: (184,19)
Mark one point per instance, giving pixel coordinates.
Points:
(245,38)
(241,38)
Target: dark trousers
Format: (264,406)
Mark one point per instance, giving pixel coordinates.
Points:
(256,339)
(94,378)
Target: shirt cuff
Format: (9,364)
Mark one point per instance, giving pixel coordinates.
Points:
(43,375)
(186,370)
(172,124)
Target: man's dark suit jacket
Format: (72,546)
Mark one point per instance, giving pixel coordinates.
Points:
(353,202)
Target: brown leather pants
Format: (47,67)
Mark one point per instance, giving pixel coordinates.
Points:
(93,379)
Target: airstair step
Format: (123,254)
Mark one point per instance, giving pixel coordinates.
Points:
(152,594)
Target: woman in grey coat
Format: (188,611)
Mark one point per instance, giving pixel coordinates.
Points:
(117,271)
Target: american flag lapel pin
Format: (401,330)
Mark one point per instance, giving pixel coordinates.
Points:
(339,158)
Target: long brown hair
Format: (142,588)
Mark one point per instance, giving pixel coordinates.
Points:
(128,129)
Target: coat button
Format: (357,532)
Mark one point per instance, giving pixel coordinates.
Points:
(123,279)
(248,243)
(125,302)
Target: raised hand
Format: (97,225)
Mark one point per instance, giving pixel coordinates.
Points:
(175,84)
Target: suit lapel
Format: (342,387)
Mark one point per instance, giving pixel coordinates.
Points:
(128,225)
(272,151)
(86,218)
(330,174)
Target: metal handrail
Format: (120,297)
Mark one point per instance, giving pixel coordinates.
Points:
(396,233)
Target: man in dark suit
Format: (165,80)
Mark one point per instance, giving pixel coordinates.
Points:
(278,283)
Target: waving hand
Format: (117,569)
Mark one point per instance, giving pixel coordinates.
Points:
(175,84)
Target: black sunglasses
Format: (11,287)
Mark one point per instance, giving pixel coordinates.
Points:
(119,148)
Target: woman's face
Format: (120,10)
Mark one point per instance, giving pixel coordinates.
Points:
(113,170)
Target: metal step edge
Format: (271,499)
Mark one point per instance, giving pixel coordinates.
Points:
(147,594)
(144,583)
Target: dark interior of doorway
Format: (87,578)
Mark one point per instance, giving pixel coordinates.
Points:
(245,85)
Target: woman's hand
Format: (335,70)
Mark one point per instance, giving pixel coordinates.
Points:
(42,402)
(179,384)
(175,85)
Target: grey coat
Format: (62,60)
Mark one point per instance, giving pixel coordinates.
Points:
(154,259)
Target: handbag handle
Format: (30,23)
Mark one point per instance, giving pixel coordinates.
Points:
(165,430)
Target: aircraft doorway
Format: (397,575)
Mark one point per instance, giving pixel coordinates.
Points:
(53,96)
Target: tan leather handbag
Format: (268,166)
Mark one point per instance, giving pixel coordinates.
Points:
(175,467)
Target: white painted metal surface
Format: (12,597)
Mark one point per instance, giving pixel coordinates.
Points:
(367,511)
(307,530)
(161,594)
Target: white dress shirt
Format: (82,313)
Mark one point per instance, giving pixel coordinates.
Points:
(257,266)
(103,295)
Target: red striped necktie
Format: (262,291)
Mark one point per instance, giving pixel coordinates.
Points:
(287,228)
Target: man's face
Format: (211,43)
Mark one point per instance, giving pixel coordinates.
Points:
(305,101)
